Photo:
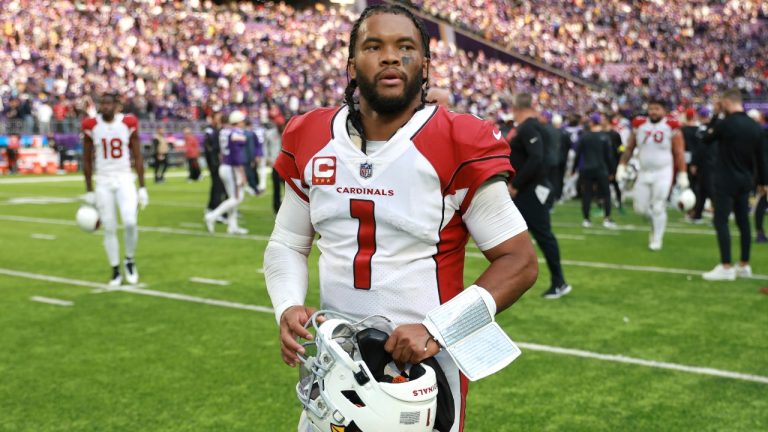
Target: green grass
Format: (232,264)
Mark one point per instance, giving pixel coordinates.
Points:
(121,362)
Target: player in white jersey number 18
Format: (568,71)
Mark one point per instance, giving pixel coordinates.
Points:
(110,141)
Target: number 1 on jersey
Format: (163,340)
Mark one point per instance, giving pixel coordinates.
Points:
(362,210)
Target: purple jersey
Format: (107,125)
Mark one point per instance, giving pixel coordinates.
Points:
(233,142)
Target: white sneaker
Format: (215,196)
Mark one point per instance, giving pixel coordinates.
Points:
(117,278)
(609,224)
(720,273)
(586,223)
(210,223)
(131,272)
(654,245)
(743,271)
(237,231)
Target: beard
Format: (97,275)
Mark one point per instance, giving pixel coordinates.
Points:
(389,105)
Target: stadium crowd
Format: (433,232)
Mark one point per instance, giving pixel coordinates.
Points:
(674,50)
(173,60)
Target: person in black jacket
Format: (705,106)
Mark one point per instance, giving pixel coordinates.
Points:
(211,149)
(594,162)
(739,156)
(552,141)
(617,148)
(762,198)
(530,188)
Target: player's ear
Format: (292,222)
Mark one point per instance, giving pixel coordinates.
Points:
(351,72)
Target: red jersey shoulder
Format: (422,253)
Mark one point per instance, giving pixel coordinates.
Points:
(638,121)
(88,123)
(131,121)
(312,126)
(475,137)
(673,122)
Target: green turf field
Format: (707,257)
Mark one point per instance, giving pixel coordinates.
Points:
(120,361)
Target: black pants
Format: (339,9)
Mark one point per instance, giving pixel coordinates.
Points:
(732,199)
(277,198)
(762,206)
(536,216)
(194,168)
(588,183)
(615,185)
(218,193)
(705,188)
(161,164)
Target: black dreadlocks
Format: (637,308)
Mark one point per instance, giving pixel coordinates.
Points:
(354,114)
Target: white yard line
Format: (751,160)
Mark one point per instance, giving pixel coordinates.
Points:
(52,301)
(610,266)
(64,179)
(617,358)
(165,230)
(209,281)
(39,236)
(530,346)
(631,227)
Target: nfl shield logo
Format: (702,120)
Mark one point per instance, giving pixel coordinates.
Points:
(366,170)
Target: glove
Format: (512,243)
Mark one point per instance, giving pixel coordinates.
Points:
(682,180)
(90,198)
(143,198)
(621,173)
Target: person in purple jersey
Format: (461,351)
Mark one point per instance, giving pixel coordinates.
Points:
(232,140)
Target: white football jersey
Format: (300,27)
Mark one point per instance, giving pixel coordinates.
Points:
(111,143)
(654,143)
(391,235)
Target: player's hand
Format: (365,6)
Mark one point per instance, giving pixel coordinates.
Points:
(408,342)
(621,172)
(682,180)
(143,198)
(90,198)
(694,169)
(292,326)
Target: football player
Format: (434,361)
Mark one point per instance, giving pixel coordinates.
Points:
(661,152)
(110,140)
(393,186)
(232,140)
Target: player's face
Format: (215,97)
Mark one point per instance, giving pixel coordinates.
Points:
(656,112)
(107,107)
(389,64)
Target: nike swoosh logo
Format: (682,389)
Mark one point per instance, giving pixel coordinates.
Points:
(497,135)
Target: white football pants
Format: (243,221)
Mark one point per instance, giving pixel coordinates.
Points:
(235,187)
(650,199)
(117,191)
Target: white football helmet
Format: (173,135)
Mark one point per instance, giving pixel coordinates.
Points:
(87,218)
(686,200)
(344,385)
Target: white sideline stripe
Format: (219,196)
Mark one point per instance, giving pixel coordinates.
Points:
(649,363)
(52,301)
(43,236)
(531,346)
(209,281)
(169,230)
(165,230)
(647,269)
(73,178)
(630,227)
(571,237)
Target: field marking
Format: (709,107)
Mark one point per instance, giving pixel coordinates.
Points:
(191,224)
(611,266)
(571,237)
(531,346)
(169,230)
(632,227)
(142,228)
(649,363)
(208,281)
(52,301)
(64,179)
(39,236)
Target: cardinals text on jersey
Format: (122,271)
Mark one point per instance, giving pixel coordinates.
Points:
(111,142)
